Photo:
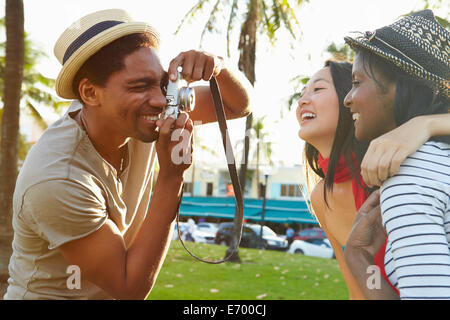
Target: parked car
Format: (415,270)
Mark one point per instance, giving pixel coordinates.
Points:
(183,229)
(205,232)
(208,227)
(312,247)
(251,237)
(270,238)
(312,233)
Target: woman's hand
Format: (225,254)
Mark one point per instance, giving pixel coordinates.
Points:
(387,152)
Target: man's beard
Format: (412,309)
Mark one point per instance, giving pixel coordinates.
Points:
(148,137)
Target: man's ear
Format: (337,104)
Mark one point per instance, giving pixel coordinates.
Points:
(89,92)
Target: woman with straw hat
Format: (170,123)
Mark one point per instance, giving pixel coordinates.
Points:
(402,71)
(83,225)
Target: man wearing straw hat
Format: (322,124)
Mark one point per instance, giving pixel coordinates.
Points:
(83,226)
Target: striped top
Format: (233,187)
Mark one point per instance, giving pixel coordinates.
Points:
(415,205)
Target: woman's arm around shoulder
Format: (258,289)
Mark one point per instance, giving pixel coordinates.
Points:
(387,152)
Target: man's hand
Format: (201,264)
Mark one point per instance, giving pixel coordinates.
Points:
(174,145)
(196,65)
(368,233)
(234,86)
(364,242)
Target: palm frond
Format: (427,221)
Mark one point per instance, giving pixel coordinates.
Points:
(279,13)
(38,95)
(191,13)
(36,115)
(298,82)
(443,22)
(267,24)
(232,16)
(287,15)
(209,26)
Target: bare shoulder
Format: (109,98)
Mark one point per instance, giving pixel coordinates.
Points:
(318,202)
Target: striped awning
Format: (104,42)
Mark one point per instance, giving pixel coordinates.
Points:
(280,211)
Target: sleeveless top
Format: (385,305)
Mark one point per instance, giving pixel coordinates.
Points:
(360,195)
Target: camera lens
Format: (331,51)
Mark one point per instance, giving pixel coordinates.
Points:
(187,99)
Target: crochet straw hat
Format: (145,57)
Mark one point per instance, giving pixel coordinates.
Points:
(417,44)
(88,35)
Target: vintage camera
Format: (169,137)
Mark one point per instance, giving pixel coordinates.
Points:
(178,98)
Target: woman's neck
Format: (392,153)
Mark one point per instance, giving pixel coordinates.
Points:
(324,148)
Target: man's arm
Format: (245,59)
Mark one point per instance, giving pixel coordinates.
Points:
(130,273)
(362,245)
(234,86)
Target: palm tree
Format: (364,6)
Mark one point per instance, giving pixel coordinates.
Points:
(13,75)
(36,88)
(32,88)
(261,17)
(261,145)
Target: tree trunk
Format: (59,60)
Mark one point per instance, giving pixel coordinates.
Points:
(257,166)
(15,47)
(247,48)
(192,179)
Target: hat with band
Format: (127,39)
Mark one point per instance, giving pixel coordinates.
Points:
(417,44)
(87,36)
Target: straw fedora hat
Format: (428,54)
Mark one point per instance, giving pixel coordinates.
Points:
(417,44)
(88,35)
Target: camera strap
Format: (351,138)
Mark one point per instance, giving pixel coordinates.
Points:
(239,212)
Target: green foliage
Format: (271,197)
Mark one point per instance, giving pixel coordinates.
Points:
(341,53)
(444,22)
(36,88)
(261,134)
(262,275)
(272,15)
(279,13)
(439,4)
(434,5)
(298,82)
(24,146)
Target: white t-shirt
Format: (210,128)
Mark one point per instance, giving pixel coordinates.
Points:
(415,205)
(65,191)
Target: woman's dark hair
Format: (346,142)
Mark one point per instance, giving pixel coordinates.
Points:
(109,59)
(344,142)
(412,97)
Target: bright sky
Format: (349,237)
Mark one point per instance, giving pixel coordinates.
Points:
(322,22)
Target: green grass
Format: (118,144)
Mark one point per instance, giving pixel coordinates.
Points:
(263,274)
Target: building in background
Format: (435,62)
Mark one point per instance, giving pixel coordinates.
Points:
(282,183)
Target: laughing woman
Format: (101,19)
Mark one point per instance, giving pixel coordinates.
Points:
(402,71)
(332,156)
(331,159)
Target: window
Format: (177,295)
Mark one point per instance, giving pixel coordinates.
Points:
(290,190)
(187,187)
(209,189)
